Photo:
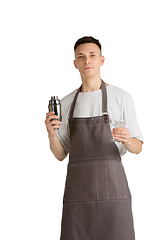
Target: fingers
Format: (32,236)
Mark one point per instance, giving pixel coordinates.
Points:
(52,122)
(53,128)
(121,130)
(121,134)
(122,140)
(50,116)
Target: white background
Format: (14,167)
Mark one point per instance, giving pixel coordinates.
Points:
(36,61)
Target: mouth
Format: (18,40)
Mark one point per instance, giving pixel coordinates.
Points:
(86,68)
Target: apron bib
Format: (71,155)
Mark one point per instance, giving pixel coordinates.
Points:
(97,200)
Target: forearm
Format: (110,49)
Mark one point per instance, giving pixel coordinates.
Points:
(57,148)
(134,145)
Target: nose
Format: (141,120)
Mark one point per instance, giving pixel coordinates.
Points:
(87,60)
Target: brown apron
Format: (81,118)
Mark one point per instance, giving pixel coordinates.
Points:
(97,200)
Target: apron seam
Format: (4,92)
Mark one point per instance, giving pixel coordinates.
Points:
(124,183)
(87,164)
(116,179)
(106,174)
(102,158)
(95,201)
(97,181)
(89,125)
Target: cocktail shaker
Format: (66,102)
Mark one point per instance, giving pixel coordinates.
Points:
(55,106)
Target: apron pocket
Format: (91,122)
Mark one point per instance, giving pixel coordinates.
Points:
(95,182)
(115,178)
(81,183)
(111,181)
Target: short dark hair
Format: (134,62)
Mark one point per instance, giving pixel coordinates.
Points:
(87,40)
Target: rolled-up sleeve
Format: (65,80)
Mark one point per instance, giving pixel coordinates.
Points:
(130,116)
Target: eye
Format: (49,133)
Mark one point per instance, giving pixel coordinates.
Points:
(93,55)
(80,57)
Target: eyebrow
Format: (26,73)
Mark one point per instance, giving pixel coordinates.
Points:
(82,53)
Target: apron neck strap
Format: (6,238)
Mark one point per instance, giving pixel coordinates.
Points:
(104,100)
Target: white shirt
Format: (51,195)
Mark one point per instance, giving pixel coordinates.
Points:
(89,104)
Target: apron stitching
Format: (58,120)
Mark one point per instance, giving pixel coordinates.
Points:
(89,125)
(116,179)
(89,118)
(114,158)
(95,201)
(124,182)
(96,180)
(87,164)
(106,179)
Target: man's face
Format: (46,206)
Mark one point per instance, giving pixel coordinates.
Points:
(88,59)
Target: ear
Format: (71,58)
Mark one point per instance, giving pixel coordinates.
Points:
(102,60)
(74,62)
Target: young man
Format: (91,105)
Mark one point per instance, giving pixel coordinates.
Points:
(97,200)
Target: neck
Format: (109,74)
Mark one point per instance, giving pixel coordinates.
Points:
(89,85)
